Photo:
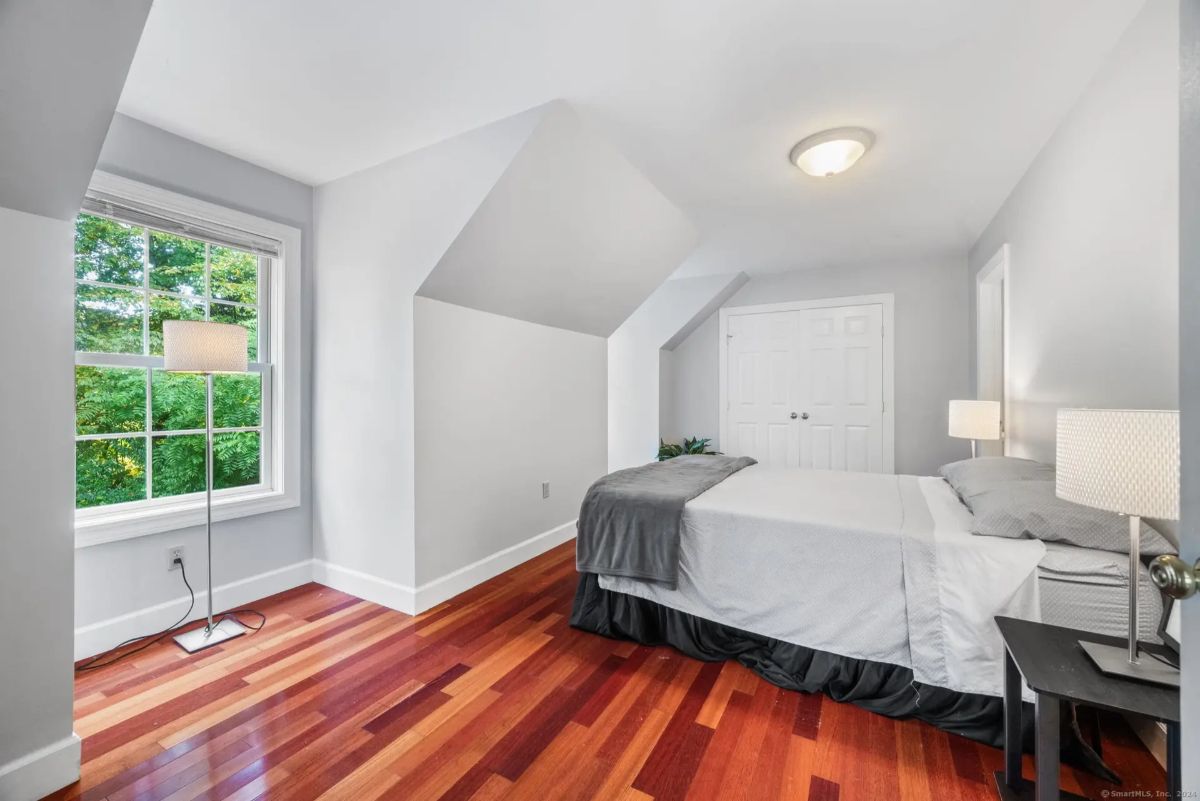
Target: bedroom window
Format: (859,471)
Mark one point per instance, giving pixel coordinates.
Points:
(143,256)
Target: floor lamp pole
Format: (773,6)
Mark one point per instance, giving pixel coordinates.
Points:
(228,628)
(1135,557)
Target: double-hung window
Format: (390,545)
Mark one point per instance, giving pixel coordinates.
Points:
(143,256)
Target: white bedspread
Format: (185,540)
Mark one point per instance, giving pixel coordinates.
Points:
(870,566)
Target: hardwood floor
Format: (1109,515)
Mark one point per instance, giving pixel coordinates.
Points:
(492,696)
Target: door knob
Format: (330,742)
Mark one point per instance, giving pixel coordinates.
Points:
(801,416)
(794,415)
(1174,576)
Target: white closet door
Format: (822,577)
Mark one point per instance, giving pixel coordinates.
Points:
(840,351)
(762,387)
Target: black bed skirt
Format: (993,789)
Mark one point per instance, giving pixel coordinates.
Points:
(875,686)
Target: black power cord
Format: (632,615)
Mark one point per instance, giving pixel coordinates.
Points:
(95,663)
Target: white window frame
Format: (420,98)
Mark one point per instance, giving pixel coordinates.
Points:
(280,487)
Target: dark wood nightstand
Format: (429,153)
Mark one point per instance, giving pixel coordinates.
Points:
(1057,669)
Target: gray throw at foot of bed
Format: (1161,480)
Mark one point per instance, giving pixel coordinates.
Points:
(874,686)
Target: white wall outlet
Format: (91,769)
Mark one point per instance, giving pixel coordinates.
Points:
(172,555)
(545,489)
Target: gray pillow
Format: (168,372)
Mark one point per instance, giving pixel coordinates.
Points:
(1031,510)
(971,477)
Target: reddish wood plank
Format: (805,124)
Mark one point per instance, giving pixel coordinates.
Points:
(808,715)
(823,790)
(668,771)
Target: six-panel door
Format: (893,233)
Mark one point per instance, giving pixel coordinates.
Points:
(805,388)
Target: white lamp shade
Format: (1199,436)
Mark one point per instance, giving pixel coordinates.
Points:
(1121,460)
(975,419)
(198,346)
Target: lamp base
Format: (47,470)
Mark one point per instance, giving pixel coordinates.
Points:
(1114,661)
(199,639)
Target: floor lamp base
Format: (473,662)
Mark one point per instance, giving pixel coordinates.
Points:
(199,639)
(1114,661)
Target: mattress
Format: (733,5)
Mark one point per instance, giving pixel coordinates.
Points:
(1083,588)
(1080,588)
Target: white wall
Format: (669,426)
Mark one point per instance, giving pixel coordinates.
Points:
(116,580)
(380,232)
(37,488)
(501,406)
(672,311)
(1093,234)
(931,353)
(59,90)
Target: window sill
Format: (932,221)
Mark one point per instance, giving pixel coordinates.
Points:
(96,527)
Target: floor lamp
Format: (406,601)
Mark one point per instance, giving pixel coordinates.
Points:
(975,420)
(195,346)
(1124,461)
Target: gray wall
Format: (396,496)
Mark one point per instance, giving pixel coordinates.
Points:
(122,577)
(1093,234)
(381,232)
(931,353)
(58,90)
(1189,373)
(57,94)
(501,406)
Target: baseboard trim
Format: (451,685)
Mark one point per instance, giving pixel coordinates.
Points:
(371,588)
(42,772)
(412,601)
(434,592)
(97,637)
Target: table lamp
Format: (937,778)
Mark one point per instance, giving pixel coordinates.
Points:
(975,420)
(1124,461)
(197,346)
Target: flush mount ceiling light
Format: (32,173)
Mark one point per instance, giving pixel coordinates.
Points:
(830,152)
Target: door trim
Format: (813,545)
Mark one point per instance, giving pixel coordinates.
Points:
(886,299)
(995,271)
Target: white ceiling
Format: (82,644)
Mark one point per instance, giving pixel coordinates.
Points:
(705,97)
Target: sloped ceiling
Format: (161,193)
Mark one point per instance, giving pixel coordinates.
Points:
(706,97)
(571,236)
(62,67)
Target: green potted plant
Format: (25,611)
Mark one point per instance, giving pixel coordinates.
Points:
(693,446)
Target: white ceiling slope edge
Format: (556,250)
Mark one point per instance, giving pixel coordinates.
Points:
(662,321)
(571,236)
(58,92)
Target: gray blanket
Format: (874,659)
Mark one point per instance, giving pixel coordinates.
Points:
(629,522)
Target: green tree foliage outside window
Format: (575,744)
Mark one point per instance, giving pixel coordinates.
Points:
(138,425)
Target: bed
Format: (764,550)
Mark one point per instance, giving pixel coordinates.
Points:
(869,587)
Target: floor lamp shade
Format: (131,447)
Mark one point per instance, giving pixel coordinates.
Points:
(975,419)
(1122,460)
(199,346)
(1125,461)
